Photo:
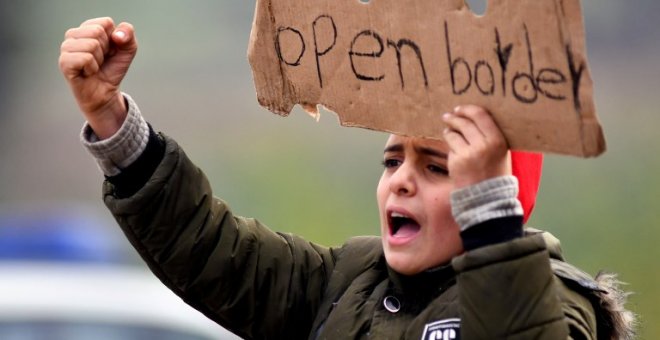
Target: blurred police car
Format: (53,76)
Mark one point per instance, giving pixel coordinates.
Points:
(64,278)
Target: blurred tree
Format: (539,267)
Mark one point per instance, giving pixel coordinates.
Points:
(4,55)
(10,47)
(10,44)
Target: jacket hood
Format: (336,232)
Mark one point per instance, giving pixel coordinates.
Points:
(614,320)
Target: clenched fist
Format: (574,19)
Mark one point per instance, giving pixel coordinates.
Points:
(94,59)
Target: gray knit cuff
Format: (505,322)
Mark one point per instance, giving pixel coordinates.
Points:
(122,148)
(493,198)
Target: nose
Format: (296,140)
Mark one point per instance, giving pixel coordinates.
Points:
(402,181)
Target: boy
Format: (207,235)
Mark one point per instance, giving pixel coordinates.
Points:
(452,261)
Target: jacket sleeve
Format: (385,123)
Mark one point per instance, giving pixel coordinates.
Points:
(508,290)
(233,269)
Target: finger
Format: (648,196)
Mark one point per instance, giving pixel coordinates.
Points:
(124,38)
(84,45)
(108,26)
(464,126)
(483,120)
(106,23)
(76,64)
(90,32)
(455,140)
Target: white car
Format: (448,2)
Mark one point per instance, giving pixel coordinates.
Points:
(59,301)
(50,291)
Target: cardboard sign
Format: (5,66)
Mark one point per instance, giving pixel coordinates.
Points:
(398,65)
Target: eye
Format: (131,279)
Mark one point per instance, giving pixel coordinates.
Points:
(391,163)
(438,169)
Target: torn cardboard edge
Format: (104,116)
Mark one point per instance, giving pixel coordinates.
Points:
(397,66)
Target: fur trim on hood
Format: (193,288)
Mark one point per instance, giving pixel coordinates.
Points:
(616,322)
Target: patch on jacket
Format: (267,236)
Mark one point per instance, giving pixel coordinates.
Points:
(447,329)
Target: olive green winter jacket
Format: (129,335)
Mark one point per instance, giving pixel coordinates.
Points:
(266,285)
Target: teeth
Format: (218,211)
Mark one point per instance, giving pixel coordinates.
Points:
(396,214)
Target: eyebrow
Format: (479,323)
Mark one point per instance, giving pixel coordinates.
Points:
(421,149)
(431,152)
(394,148)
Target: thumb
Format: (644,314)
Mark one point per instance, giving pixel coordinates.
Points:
(124,48)
(124,38)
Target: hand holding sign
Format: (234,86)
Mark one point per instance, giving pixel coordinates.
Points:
(477,149)
(396,66)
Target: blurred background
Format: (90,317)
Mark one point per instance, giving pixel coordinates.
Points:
(192,81)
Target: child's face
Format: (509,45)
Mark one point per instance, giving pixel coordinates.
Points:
(416,224)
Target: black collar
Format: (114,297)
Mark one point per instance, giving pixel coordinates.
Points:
(429,282)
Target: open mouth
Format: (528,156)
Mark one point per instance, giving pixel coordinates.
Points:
(402,226)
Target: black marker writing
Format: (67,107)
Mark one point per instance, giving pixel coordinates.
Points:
(316,46)
(371,54)
(553,77)
(453,63)
(521,76)
(503,56)
(406,42)
(279,50)
(480,65)
(576,77)
(527,85)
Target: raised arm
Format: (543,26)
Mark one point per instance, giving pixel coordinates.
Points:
(251,280)
(507,287)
